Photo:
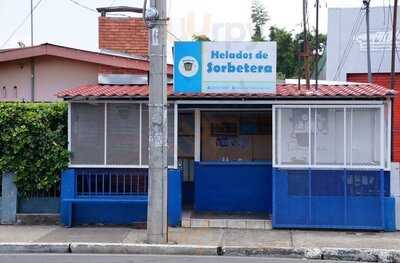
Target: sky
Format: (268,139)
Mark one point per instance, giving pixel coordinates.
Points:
(63,22)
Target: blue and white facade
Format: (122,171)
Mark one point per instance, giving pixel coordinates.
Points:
(302,158)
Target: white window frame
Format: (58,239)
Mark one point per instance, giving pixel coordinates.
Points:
(139,165)
(385,139)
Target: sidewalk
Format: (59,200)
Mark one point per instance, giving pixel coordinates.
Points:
(246,242)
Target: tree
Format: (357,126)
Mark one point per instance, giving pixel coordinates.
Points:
(259,18)
(289,47)
(200,37)
(286,54)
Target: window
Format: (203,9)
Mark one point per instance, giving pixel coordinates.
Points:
(15,92)
(114,134)
(4,92)
(330,136)
(123,133)
(236,136)
(87,133)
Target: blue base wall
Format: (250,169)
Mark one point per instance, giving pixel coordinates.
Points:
(233,187)
(331,199)
(117,213)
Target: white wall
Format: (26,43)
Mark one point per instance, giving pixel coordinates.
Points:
(340,26)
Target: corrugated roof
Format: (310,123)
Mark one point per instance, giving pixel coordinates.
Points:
(283,91)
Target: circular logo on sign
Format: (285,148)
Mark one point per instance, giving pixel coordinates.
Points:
(188,66)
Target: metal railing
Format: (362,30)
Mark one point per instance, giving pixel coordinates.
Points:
(111,182)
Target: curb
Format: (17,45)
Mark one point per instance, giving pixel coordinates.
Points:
(6,248)
(339,254)
(115,248)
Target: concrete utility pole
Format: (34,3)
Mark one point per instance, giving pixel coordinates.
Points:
(306,51)
(394,40)
(157,225)
(366,6)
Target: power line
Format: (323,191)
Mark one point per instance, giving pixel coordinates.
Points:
(172,34)
(356,27)
(387,21)
(92,9)
(21,24)
(83,6)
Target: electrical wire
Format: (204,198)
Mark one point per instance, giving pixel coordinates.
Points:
(173,35)
(83,6)
(386,31)
(21,24)
(356,27)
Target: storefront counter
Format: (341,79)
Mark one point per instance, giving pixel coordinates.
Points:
(233,187)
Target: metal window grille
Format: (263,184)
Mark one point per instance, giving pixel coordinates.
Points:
(111,182)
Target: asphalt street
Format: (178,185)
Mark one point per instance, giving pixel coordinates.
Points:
(97,258)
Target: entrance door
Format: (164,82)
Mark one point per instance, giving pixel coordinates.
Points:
(186,155)
(234,173)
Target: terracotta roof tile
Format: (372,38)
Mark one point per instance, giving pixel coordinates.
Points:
(283,90)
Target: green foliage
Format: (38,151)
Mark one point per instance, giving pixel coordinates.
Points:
(201,38)
(287,61)
(259,17)
(289,47)
(33,144)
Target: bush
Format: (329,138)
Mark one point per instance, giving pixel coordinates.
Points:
(33,144)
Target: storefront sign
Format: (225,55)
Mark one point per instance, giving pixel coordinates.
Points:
(225,67)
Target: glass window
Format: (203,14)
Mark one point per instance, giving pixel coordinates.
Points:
(123,134)
(236,136)
(87,133)
(364,137)
(331,144)
(186,135)
(294,129)
(329,136)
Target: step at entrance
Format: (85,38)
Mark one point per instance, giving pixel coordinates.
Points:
(220,220)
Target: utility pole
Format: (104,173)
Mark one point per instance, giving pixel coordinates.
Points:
(394,40)
(306,50)
(317,47)
(31,22)
(32,60)
(157,225)
(366,6)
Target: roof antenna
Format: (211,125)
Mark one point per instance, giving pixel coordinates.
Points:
(317,46)
(306,50)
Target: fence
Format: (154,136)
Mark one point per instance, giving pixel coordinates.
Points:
(337,199)
(41,202)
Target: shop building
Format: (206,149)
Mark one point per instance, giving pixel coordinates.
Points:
(302,157)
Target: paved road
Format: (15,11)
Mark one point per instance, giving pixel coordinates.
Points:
(74,258)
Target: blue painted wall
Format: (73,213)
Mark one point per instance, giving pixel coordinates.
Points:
(233,187)
(331,199)
(115,214)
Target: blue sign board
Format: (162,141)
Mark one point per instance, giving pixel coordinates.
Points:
(225,67)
